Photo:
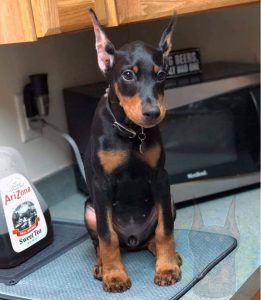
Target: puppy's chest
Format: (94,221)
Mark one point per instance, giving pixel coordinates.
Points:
(113,160)
(133,209)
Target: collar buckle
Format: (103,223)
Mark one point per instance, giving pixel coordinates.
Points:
(124,130)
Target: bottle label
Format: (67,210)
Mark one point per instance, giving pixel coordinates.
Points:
(24,217)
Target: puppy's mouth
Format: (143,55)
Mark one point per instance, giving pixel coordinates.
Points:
(149,124)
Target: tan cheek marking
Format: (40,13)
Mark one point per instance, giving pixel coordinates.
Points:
(112,159)
(131,106)
(161,107)
(151,155)
(135,69)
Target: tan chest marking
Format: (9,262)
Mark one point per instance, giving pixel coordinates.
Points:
(151,155)
(112,159)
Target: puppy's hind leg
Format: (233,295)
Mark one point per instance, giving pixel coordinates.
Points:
(90,222)
(151,246)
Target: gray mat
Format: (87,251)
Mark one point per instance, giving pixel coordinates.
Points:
(70,275)
(66,236)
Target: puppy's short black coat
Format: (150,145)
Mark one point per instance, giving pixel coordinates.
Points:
(130,205)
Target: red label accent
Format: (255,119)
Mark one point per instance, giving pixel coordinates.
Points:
(28,230)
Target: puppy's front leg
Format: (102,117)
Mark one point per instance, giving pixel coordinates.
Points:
(114,274)
(167,261)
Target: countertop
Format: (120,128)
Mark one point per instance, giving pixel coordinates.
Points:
(237,215)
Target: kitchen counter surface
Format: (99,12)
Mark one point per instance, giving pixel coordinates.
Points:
(237,215)
(240,219)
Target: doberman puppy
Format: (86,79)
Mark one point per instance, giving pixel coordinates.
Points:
(130,206)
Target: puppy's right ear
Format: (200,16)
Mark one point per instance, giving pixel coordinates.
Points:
(105,49)
(165,43)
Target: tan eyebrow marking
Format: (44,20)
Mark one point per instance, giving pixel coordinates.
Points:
(135,69)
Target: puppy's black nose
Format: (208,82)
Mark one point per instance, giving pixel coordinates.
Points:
(152,113)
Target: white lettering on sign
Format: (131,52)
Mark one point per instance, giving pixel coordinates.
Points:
(183,62)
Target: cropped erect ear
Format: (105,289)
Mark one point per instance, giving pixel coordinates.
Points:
(105,49)
(165,43)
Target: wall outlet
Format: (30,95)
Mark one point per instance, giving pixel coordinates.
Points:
(26,132)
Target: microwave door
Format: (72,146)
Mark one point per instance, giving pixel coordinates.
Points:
(212,138)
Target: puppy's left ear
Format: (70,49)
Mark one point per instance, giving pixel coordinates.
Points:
(165,43)
(105,49)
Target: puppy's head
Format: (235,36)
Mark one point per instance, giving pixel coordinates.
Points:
(137,74)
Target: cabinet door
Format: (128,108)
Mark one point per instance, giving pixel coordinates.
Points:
(57,16)
(16,21)
(138,10)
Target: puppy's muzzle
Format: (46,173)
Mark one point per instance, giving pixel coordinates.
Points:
(151,114)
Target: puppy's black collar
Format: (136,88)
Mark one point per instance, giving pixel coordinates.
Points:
(125,131)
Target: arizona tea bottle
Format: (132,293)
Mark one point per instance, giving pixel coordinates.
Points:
(25,221)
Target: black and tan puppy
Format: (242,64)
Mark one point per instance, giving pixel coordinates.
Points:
(130,205)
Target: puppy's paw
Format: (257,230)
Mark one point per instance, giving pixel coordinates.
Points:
(97,272)
(116,282)
(167,276)
(179,259)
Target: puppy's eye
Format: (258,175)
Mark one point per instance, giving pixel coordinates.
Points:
(161,76)
(128,75)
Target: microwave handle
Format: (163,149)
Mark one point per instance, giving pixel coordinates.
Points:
(253,98)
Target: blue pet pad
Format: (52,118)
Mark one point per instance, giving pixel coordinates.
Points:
(66,235)
(70,275)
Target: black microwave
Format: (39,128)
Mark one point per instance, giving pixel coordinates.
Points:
(211,132)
